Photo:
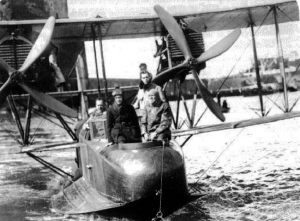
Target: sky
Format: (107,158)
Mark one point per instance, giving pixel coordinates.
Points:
(122,57)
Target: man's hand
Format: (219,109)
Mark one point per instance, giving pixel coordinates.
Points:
(146,136)
(153,135)
(109,144)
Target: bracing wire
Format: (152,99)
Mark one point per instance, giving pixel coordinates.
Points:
(226,148)
(39,126)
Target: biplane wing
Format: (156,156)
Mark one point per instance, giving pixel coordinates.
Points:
(230,16)
(221,17)
(234,125)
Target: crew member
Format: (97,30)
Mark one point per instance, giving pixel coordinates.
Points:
(5,10)
(98,112)
(145,86)
(143,67)
(157,119)
(122,121)
(225,105)
(48,60)
(58,75)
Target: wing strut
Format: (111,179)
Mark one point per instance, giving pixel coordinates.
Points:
(66,127)
(281,61)
(28,120)
(96,60)
(102,61)
(16,116)
(256,65)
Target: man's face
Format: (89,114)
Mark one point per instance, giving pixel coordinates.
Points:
(143,68)
(145,78)
(151,98)
(118,99)
(99,105)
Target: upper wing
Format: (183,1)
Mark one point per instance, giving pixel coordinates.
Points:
(236,16)
(220,17)
(234,125)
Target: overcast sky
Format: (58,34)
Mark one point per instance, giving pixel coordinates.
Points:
(122,57)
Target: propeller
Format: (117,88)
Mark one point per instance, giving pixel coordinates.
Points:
(18,76)
(191,63)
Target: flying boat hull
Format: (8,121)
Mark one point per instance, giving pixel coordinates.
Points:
(124,174)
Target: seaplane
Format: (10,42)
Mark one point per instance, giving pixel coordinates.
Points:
(133,176)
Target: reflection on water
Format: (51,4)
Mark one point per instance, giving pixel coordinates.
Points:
(244,174)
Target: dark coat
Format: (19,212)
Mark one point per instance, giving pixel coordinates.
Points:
(122,121)
(156,118)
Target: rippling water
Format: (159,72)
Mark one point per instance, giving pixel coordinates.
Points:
(246,174)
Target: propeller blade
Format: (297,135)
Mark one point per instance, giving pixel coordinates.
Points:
(207,97)
(4,91)
(220,47)
(40,44)
(4,66)
(49,101)
(174,30)
(166,75)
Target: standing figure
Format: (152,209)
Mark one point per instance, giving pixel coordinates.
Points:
(225,105)
(157,119)
(58,75)
(143,67)
(48,61)
(5,10)
(145,86)
(122,121)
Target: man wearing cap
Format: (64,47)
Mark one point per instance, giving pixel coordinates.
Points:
(145,86)
(122,121)
(157,119)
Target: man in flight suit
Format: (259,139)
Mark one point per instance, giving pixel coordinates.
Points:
(157,119)
(122,121)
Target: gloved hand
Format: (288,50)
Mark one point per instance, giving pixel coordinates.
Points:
(146,136)
(153,135)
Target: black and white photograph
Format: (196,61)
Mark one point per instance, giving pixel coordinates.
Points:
(159,110)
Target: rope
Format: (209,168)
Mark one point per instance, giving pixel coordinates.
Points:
(220,155)
(249,164)
(159,215)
